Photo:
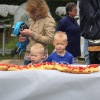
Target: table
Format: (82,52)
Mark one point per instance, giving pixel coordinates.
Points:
(4,26)
(48,85)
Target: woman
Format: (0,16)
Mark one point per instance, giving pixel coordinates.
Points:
(69,25)
(41,26)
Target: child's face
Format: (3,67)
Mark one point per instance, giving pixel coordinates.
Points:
(60,45)
(36,57)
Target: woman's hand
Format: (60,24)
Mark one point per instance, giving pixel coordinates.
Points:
(21,38)
(26,32)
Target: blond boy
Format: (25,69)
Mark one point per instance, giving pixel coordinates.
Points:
(61,55)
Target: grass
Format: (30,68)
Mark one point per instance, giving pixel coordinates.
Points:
(6,56)
(10,43)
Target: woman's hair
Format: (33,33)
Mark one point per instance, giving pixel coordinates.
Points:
(70,6)
(34,5)
(60,35)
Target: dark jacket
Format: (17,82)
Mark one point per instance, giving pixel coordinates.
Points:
(71,27)
(90,12)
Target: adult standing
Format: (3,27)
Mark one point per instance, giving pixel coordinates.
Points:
(41,26)
(69,25)
(89,13)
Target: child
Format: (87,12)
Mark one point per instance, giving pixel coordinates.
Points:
(60,55)
(37,53)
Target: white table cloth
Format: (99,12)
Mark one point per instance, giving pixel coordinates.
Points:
(48,85)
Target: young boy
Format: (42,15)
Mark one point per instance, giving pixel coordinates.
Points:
(37,53)
(60,55)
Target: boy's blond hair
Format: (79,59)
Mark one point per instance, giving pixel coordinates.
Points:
(38,47)
(60,35)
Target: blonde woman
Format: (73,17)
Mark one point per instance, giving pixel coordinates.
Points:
(41,26)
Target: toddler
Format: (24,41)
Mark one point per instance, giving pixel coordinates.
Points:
(37,53)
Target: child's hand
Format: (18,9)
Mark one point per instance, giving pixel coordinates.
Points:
(26,32)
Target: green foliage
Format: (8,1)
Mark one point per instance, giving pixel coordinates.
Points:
(7,56)
(62,0)
(56,3)
(12,2)
(6,20)
(11,43)
(50,48)
(18,2)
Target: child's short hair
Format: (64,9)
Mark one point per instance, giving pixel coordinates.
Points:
(39,47)
(60,35)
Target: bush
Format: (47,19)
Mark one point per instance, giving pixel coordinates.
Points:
(12,2)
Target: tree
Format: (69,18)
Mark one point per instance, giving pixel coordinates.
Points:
(12,2)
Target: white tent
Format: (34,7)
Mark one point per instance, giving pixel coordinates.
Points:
(7,9)
(21,14)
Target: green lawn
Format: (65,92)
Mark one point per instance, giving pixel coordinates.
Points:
(10,43)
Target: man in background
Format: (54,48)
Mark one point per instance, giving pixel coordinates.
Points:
(89,13)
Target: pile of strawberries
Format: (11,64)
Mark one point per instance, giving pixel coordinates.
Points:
(77,69)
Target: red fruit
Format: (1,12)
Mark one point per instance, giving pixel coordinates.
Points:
(62,65)
(53,63)
(19,67)
(47,63)
(25,66)
(94,65)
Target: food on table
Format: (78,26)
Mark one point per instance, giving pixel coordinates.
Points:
(76,69)
(4,67)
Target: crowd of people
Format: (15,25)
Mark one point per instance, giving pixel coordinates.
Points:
(65,36)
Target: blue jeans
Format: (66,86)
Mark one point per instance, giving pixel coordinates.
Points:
(26,62)
(86,53)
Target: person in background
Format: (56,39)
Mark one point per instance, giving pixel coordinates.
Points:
(41,26)
(69,25)
(37,53)
(86,52)
(89,16)
(61,55)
